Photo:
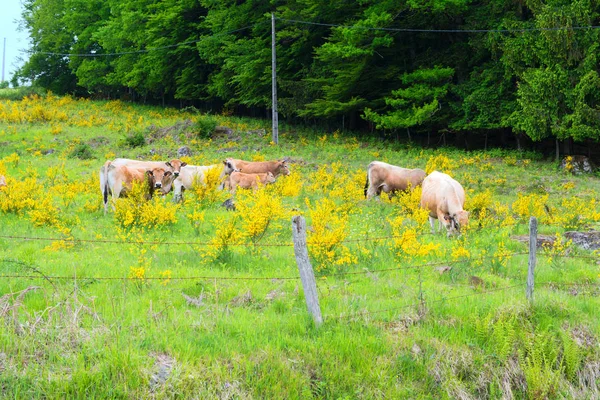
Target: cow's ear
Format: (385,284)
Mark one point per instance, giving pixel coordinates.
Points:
(149,173)
(447,217)
(225,162)
(167,173)
(183,164)
(169,164)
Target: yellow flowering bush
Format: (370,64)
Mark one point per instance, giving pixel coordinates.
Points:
(219,247)
(135,210)
(258,211)
(208,192)
(405,243)
(558,249)
(288,186)
(531,205)
(440,163)
(329,230)
(20,195)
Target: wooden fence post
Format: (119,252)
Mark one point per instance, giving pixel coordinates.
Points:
(306,272)
(532,260)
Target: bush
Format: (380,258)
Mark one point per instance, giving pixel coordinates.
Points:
(135,140)
(82,151)
(205,126)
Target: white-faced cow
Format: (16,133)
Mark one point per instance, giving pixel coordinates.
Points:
(444,198)
(390,178)
(190,175)
(248,181)
(118,179)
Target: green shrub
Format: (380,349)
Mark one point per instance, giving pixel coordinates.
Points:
(82,151)
(205,126)
(136,139)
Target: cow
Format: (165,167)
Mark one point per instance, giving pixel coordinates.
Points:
(118,179)
(173,166)
(2,181)
(444,198)
(255,167)
(188,176)
(390,178)
(248,181)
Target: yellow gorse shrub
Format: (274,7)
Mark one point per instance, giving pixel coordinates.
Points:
(258,211)
(208,191)
(227,234)
(405,242)
(135,210)
(440,163)
(329,230)
(288,186)
(531,205)
(20,195)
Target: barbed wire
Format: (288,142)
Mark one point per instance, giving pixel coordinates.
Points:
(425,302)
(418,30)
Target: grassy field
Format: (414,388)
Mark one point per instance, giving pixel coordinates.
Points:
(164,300)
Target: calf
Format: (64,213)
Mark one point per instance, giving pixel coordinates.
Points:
(444,198)
(188,176)
(173,166)
(390,178)
(118,179)
(247,181)
(2,181)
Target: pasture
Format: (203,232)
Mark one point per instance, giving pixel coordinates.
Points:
(165,300)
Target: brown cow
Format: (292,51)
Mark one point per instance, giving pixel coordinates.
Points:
(247,181)
(444,198)
(255,167)
(390,178)
(2,181)
(174,166)
(118,179)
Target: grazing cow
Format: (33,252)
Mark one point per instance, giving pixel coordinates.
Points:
(118,179)
(247,181)
(255,167)
(390,178)
(188,176)
(173,166)
(2,181)
(444,198)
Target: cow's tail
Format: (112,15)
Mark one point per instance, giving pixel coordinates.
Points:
(367,182)
(104,184)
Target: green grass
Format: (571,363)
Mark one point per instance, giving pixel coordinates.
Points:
(389,331)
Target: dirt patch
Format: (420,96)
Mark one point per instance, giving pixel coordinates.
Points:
(163,365)
(98,141)
(185,127)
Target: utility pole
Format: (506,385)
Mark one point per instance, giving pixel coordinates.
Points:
(274,82)
(3,58)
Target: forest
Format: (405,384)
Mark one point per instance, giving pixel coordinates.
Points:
(518,70)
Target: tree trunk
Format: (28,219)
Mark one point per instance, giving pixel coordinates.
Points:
(557,150)
(409,137)
(518,137)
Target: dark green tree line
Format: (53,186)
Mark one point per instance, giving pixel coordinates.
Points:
(535,73)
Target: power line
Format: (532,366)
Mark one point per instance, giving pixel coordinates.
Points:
(369,28)
(148,49)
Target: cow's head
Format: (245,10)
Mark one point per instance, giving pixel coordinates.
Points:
(157,176)
(270,177)
(457,221)
(229,166)
(176,165)
(282,167)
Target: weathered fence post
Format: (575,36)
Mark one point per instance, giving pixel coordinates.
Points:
(306,272)
(532,254)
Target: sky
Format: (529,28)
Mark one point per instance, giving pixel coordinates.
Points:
(10,12)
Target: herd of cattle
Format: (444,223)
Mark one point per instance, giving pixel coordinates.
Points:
(442,196)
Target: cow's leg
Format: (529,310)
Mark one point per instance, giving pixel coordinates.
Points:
(442,218)
(432,223)
(116,192)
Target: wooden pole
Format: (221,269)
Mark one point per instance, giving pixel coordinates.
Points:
(532,257)
(306,272)
(274,82)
